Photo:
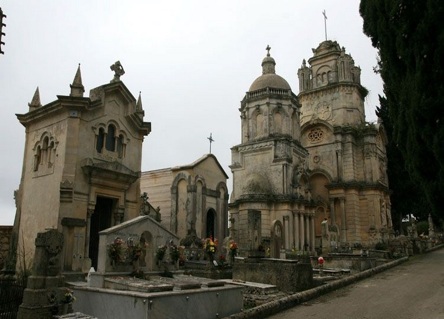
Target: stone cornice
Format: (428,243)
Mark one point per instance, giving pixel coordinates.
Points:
(358,186)
(113,174)
(62,104)
(272,198)
(329,89)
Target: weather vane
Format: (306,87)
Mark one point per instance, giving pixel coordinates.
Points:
(211,140)
(325,24)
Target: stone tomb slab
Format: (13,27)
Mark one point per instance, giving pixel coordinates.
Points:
(205,282)
(135,284)
(183,282)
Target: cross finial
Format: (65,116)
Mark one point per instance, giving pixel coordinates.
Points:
(268,48)
(118,71)
(211,140)
(325,24)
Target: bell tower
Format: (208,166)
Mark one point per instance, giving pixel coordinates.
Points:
(330,88)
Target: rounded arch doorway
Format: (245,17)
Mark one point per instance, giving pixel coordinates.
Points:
(210,230)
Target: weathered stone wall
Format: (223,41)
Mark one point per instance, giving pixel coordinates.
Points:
(286,275)
(356,263)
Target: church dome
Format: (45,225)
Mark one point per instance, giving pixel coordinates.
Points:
(269,78)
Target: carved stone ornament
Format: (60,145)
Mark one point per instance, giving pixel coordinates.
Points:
(53,242)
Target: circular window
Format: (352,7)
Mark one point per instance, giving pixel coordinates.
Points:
(315,135)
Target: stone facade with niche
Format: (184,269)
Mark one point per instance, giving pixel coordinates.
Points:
(81,168)
(308,158)
(347,160)
(193,199)
(270,205)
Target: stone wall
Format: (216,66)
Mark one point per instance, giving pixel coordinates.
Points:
(5,236)
(355,263)
(286,275)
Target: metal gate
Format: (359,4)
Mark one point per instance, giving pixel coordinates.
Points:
(11,297)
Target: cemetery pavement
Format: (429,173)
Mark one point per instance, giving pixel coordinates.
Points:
(413,289)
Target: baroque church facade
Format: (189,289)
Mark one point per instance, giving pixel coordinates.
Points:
(81,168)
(309,173)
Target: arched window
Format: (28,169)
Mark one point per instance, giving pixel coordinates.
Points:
(45,149)
(37,158)
(211,223)
(111,139)
(100,140)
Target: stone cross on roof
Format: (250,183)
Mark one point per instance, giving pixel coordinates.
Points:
(211,140)
(268,48)
(118,71)
(325,24)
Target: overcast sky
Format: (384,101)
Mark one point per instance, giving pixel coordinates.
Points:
(193,61)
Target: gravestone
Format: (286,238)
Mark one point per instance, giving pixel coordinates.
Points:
(45,293)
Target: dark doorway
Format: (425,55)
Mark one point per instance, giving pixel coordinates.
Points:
(100,220)
(211,221)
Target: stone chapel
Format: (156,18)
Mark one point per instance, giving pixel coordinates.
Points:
(310,173)
(192,198)
(81,167)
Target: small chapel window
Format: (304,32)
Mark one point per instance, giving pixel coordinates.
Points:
(110,144)
(100,140)
(44,150)
(37,158)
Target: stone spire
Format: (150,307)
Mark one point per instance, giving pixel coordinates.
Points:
(77,88)
(35,102)
(139,103)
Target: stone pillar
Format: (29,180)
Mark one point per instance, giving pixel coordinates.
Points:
(307,231)
(431,226)
(312,233)
(89,213)
(296,231)
(301,228)
(332,211)
(287,232)
(44,296)
(343,221)
(191,195)
(339,164)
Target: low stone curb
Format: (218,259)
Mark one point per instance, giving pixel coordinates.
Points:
(273,307)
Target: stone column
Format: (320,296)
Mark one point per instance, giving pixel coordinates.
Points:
(312,233)
(302,228)
(191,208)
(296,231)
(339,164)
(332,211)
(89,213)
(343,221)
(287,232)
